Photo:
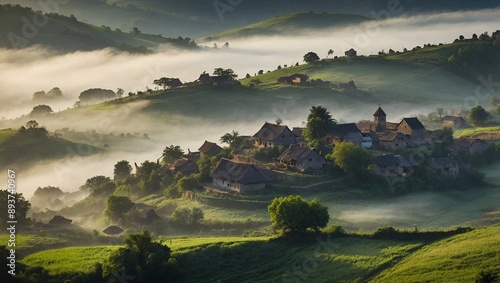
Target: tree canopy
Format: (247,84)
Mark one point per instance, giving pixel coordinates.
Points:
(226,72)
(311,57)
(142,259)
(319,122)
(122,170)
(117,206)
(96,94)
(350,157)
(41,110)
(294,214)
(233,139)
(478,115)
(172,153)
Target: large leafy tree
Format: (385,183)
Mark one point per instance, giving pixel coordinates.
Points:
(22,206)
(294,214)
(172,153)
(117,206)
(122,170)
(478,115)
(319,122)
(142,260)
(41,110)
(350,157)
(233,139)
(311,57)
(226,72)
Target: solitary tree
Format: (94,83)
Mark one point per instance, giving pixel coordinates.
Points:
(172,153)
(311,57)
(119,92)
(294,214)
(319,122)
(226,72)
(141,260)
(478,116)
(122,170)
(330,52)
(440,112)
(55,92)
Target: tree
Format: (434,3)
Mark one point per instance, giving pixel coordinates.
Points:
(45,197)
(99,186)
(166,83)
(122,170)
(233,139)
(55,93)
(32,124)
(119,92)
(260,72)
(461,38)
(187,184)
(142,260)
(350,157)
(311,57)
(172,153)
(226,73)
(319,122)
(255,82)
(96,94)
(478,116)
(196,215)
(294,214)
(22,206)
(330,52)
(41,110)
(440,112)
(117,206)
(39,95)
(136,30)
(279,121)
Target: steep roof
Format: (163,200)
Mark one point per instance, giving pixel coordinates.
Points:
(466,142)
(152,215)
(379,112)
(113,230)
(185,166)
(270,132)
(210,148)
(298,153)
(389,136)
(243,173)
(343,129)
(60,220)
(413,122)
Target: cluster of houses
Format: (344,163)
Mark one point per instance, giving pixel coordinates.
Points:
(301,79)
(242,177)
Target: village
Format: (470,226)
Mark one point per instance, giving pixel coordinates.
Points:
(384,140)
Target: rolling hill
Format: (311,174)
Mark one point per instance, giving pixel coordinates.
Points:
(195,18)
(289,24)
(22,27)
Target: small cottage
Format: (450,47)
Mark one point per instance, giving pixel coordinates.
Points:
(209,149)
(59,221)
(393,166)
(302,158)
(238,177)
(273,135)
(185,166)
(470,144)
(413,128)
(344,133)
(393,141)
(447,165)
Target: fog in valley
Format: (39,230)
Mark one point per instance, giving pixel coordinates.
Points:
(23,72)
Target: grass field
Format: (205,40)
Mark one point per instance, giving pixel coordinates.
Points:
(30,243)
(457,259)
(485,133)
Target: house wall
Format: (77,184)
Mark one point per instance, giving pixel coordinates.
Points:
(311,163)
(237,187)
(355,138)
(389,171)
(396,144)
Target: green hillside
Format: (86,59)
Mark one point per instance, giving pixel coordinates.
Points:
(18,150)
(67,34)
(459,259)
(289,24)
(350,259)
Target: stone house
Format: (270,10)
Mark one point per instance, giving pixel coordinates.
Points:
(393,141)
(238,177)
(455,122)
(392,166)
(447,165)
(470,144)
(344,133)
(294,79)
(413,128)
(273,135)
(302,158)
(59,221)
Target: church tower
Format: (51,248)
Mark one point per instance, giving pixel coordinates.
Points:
(379,118)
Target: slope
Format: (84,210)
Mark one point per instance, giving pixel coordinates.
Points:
(22,27)
(18,150)
(289,24)
(460,259)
